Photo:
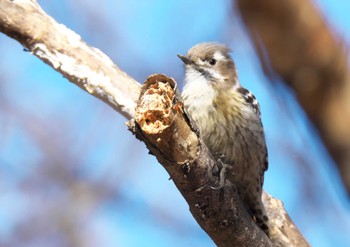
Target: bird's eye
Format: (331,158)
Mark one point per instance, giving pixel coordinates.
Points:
(212,61)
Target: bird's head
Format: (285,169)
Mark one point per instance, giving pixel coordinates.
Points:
(211,61)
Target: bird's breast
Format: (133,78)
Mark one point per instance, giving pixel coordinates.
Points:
(221,120)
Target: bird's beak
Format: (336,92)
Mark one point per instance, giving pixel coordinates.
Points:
(184,59)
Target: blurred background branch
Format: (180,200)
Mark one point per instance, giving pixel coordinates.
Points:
(297,47)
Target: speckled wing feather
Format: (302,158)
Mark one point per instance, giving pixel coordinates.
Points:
(250,99)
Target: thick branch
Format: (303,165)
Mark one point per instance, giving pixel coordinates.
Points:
(66,52)
(295,41)
(162,125)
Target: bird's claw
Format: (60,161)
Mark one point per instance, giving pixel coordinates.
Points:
(222,176)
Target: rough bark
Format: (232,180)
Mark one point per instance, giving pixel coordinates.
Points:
(283,231)
(296,44)
(160,123)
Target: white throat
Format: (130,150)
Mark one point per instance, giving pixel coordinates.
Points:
(197,90)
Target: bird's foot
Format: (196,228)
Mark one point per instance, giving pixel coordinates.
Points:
(221,166)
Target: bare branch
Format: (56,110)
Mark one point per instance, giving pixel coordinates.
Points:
(295,42)
(67,53)
(162,125)
(283,231)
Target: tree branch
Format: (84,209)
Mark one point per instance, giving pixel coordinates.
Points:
(159,122)
(293,40)
(162,125)
(67,53)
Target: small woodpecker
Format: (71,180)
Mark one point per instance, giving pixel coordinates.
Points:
(228,118)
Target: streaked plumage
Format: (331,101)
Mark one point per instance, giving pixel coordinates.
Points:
(228,117)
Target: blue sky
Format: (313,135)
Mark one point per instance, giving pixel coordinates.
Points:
(64,152)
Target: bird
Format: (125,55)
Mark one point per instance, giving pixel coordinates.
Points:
(229,121)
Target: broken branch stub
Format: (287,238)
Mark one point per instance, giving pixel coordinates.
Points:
(160,117)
